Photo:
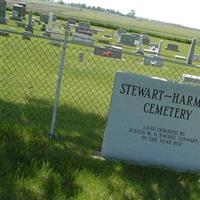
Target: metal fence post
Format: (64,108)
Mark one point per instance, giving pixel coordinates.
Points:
(58,86)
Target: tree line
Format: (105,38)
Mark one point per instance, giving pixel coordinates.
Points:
(95,8)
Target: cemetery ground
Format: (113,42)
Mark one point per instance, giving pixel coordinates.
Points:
(34,167)
(151,26)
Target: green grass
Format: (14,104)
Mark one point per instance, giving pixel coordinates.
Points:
(145,26)
(33,167)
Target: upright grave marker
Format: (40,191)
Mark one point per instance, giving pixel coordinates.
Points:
(17,12)
(127,39)
(153,122)
(29,26)
(191,51)
(139,49)
(56,34)
(3,5)
(159,48)
(23,4)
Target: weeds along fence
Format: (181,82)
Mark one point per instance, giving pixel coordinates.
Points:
(29,74)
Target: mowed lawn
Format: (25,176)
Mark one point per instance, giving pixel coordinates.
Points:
(143,25)
(34,167)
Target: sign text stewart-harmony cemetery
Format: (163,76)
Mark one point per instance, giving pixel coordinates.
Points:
(154,122)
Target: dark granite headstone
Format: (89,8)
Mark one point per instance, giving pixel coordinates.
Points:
(3,5)
(24,8)
(127,39)
(4,33)
(29,26)
(17,12)
(145,40)
(172,47)
(110,51)
(45,18)
(27,35)
(84,28)
(71,20)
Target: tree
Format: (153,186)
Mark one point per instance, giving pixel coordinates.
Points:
(61,2)
(131,13)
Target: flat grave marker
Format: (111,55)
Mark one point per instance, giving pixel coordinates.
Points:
(172,47)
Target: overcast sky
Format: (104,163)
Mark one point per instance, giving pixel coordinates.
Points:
(184,12)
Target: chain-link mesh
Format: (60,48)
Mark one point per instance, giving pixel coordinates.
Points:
(87,86)
(28,74)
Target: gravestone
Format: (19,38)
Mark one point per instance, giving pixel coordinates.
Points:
(81,38)
(155,60)
(121,31)
(180,57)
(29,26)
(24,9)
(196,58)
(127,39)
(191,51)
(136,35)
(109,51)
(159,48)
(55,34)
(17,12)
(188,78)
(71,20)
(104,41)
(172,47)
(45,18)
(3,4)
(84,28)
(4,33)
(139,49)
(149,123)
(50,22)
(27,35)
(145,40)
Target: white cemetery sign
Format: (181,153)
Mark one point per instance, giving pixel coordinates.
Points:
(154,122)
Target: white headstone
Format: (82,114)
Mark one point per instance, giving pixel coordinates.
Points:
(159,48)
(55,36)
(50,22)
(139,49)
(153,122)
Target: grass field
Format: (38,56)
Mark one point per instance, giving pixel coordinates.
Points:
(137,24)
(33,167)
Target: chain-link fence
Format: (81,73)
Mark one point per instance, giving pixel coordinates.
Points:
(29,73)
